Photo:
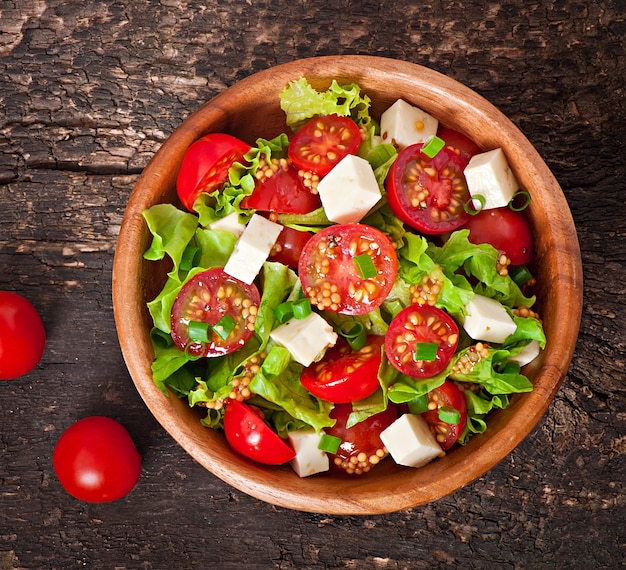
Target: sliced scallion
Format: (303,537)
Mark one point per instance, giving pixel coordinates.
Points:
(425,351)
(432,146)
(161,338)
(354,333)
(521,275)
(198,331)
(284,311)
(365,266)
(516,205)
(419,404)
(329,443)
(225,326)
(301,308)
(470,206)
(449,415)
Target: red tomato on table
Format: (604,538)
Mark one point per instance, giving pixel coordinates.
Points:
(22,336)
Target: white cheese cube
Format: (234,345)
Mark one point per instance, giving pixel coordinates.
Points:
(349,190)
(252,248)
(305,338)
(487,320)
(309,459)
(410,441)
(403,124)
(229,223)
(527,354)
(489,175)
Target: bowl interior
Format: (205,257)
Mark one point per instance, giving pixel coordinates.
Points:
(250,109)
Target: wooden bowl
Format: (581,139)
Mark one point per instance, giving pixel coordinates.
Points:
(250,109)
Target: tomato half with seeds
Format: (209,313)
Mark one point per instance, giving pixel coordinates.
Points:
(428,194)
(221,301)
(289,246)
(417,330)
(345,375)
(465,146)
(450,396)
(361,448)
(323,141)
(505,229)
(205,165)
(331,265)
(249,435)
(283,192)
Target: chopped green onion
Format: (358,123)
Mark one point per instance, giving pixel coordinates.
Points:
(470,206)
(354,333)
(225,326)
(329,443)
(198,331)
(432,146)
(521,275)
(298,309)
(526,201)
(190,258)
(449,415)
(425,351)
(365,266)
(161,338)
(419,404)
(284,311)
(301,308)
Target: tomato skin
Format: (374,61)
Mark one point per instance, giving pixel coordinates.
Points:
(288,247)
(22,336)
(428,194)
(450,395)
(466,146)
(345,375)
(421,323)
(283,193)
(96,460)
(323,141)
(331,252)
(249,435)
(205,165)
(505,229)
(200,300)
(363,437)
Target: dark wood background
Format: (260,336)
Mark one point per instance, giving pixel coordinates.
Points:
(89,90)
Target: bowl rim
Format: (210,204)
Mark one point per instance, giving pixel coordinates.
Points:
(362,497)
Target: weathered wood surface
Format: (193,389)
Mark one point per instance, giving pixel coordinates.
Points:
(89,90)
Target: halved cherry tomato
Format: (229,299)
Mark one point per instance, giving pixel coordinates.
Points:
(329,274)
(361,447)
(428,194)
(248,434)
(284,192)
(505,229)
(345,375)
(205,165)
(451,396)
(289,246)
(465,146)
(421,324)
(206,298)
(323,141)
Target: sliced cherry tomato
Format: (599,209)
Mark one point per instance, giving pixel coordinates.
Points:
(361,447)
(428,194)
(323,141)
(22,336)
(421,324)
(209,297)
(96,460)
(205,165)
(248,434)
(465,146)
(284,192)
(505,229)
(448,395)
(289,246)
(345,375)
(330,275)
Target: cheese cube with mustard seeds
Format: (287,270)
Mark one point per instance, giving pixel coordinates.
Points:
(403,124)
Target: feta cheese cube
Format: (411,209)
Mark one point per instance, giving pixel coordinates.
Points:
(305,338)
(349,190)
(309,459)
(488,174)
(410,441)
(229,223)
(403,124)
(487,320)
(527,354)
(252,248)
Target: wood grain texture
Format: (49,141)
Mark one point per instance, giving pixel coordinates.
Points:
(90,90)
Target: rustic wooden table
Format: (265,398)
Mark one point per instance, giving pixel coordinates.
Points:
(89,91)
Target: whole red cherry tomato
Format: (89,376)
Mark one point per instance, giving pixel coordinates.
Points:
(22,336)
(96,460)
